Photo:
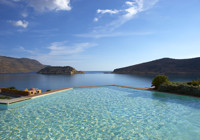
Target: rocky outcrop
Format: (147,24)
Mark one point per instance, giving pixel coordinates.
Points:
(60,70)
(19,65)
(164,66)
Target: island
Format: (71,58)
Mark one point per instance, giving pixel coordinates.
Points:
(165,66)
(68,70)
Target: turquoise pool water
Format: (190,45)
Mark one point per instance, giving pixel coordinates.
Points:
(103,113)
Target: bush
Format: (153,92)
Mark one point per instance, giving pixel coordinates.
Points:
(158,80)
(4,97)
(194,83)
(181,88)
(14,92)
(12,88)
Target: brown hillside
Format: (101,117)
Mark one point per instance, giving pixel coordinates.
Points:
(19,65)
(164,66)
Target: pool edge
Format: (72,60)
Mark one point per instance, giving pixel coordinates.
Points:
(15,100)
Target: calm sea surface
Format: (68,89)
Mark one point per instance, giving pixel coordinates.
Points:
(46,82)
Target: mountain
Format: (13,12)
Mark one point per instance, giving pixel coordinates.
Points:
(164,66)
(19,65)
(59,70)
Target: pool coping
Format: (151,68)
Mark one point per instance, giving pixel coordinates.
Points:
(15,100)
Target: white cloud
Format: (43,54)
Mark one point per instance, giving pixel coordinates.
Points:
(24,14)
(96,19)
(99,11)
(58,53)
(113,34)
(132,8)
(50,5)
(25,50)
(42,5)
(20,23)
(61,48)
(8,2)
(131,3)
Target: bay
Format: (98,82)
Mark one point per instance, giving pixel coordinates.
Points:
(90,78)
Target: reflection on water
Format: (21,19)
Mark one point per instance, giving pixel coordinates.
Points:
(45,82)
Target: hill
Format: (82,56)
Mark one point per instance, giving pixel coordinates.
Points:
(59,70)
(19,65)
(164,66)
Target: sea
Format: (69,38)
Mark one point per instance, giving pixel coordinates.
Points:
(90,78)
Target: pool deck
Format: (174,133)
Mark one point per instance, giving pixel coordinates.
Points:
(14,100)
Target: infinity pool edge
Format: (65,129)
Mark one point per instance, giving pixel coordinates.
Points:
(15,100)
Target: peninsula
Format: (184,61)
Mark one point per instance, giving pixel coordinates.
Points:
(164,66)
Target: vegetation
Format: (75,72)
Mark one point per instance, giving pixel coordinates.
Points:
(194,83)
(11,88)
(48,90)
(4,97)
(191,88)
(14,91)
(158,80)
(59,70)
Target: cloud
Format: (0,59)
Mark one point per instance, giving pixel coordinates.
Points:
(24,14)
(8,2)
(96,19)
(61,48)
(132,8)
(58,53)
(41,5)
(20,23)
(25,50)
(99,11)
(112,34)
(50,5)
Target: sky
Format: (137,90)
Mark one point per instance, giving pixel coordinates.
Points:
(99,34)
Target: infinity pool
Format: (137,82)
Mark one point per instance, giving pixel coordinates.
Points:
(103,113)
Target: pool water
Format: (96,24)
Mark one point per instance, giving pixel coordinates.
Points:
(104,113)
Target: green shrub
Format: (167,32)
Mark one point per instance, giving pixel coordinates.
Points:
(48,90)
(4,97)
(194,83)
(181,88)
(12,88)
(158,80)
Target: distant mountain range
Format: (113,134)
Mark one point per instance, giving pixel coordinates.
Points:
(19,65)
(164,66)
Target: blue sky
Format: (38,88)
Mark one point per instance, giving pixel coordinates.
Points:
(99,34)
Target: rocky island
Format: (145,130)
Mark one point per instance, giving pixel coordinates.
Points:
(165,66)
(59,70)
